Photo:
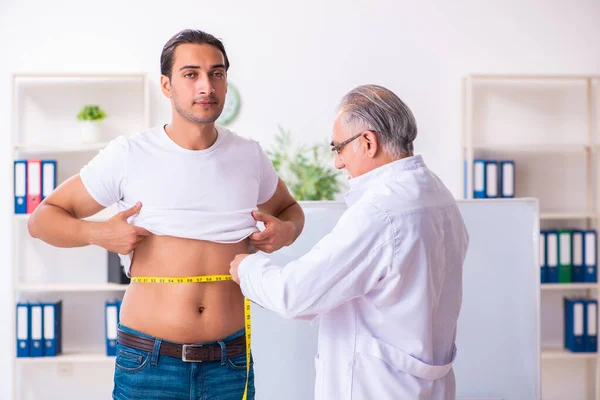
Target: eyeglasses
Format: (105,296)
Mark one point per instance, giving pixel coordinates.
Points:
(338,148)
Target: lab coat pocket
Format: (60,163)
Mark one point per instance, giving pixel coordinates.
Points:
(318,378)
(398,360)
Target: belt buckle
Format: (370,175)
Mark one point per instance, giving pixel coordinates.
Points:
(184,351)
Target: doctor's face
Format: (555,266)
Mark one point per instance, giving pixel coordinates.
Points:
(346,145)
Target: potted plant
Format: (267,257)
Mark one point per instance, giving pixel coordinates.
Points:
(307,171)
(90,117)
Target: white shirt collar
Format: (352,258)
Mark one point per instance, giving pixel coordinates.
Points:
(360,184)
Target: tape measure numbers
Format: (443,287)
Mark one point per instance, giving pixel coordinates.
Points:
(202,279)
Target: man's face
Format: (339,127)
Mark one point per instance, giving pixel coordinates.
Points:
(198,83)
(347,158)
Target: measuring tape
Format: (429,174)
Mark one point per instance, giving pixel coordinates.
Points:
(209,278)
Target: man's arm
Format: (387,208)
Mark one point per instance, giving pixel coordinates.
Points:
(283,218)
(345,264)
(57,221)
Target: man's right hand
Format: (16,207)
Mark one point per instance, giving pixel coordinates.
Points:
(119,236)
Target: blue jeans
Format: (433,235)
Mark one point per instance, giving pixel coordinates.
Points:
(151,376)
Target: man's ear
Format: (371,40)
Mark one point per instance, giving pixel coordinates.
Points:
(165,86)
(371,143)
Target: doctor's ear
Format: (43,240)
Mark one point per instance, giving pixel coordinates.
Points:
(371,142)
(165,85)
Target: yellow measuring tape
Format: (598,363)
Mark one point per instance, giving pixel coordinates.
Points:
(209,278)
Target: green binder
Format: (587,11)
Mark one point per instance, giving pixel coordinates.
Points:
(565,245)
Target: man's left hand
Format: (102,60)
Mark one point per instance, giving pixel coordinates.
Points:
(235,266)
(277,233)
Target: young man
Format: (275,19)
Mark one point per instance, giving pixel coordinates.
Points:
(187,193)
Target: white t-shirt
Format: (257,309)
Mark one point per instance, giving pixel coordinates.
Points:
(196,194)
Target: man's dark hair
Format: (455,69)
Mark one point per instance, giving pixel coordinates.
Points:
(187,36)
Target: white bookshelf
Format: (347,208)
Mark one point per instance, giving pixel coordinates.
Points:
(44,126)
(550,126)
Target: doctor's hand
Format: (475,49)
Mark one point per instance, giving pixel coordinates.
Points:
(118,235)
(277,233)
(234,266)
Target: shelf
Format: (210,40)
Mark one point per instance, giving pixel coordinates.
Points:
(568,286)
(72,287)
(68,358)
(557,353)
(534,148)
(101,78)
(567,215)
(100,217)
(60,147)
(530,77)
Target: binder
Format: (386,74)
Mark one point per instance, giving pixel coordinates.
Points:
(52,329)
(591,323)
(590,248)
(577,252)
(507,179)
(116,271)
(564,256)
(543,265)
(552,256)
(479,179)
(491,179)
(34,184)
(23,329)
(111,324)
(48,177)
(574,312)
(20,186)
(37,338)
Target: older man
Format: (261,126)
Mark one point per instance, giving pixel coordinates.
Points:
(387,281)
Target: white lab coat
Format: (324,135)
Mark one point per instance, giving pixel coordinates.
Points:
(385,284)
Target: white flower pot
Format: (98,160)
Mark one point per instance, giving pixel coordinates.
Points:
(90,131)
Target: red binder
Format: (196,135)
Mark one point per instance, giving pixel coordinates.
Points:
(34,184)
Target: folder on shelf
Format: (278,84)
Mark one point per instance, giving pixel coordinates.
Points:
(52,329)
(574,313)
(34,184)
(48,177)
(543,266)
(491,179)
(23,329)
(111,325)
(591,323)
(590,248)
(20,186)
(507,179)
(564,256)
(116,271)
(479,179)
(37,337)
(577,259)
(552,256)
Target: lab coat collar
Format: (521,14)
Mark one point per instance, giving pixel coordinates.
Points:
(360,184)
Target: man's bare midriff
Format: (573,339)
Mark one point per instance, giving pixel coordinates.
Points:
(189,312)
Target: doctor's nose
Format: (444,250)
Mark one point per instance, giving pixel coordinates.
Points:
(204,86)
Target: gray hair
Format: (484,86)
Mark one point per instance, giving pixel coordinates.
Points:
(378,109)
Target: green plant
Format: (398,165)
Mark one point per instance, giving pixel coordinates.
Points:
(307,171)
(91,112)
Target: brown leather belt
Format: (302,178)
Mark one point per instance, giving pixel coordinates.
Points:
(185,352)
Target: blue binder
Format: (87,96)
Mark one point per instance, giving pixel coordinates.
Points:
(23,329)
(552,256)
(111,318)
(577,248)
(543,264)
(52,328)
(590,247)
(591,323)
(48,177)
(479,179)
(36,348)
(20,186)
(507,179)
(491,179)
(574,313)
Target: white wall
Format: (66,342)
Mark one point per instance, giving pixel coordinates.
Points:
(292,62)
